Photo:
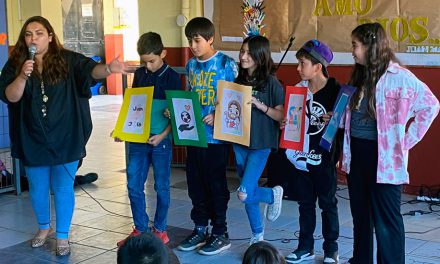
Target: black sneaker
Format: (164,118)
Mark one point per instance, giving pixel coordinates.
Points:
(215,245)
(300,255)
(88,178)
(331,258)
(194,241)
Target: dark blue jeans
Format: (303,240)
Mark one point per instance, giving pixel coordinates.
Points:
(140,157)
(207,185)
(374,206)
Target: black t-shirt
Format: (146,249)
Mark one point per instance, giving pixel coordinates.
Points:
(317,105)
(59,137)
(264,130)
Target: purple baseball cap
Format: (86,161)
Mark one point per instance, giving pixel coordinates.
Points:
(319,50)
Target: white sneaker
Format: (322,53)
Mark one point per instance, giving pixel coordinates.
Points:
(273,210)
(256,238)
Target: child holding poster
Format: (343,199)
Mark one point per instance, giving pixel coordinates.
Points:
(206,167)
(315,166)
(157,151)
(257,70)
(389,113)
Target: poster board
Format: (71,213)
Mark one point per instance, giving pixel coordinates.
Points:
(292,135)
(133,124)
(233,113)
(332,127)
(186,118)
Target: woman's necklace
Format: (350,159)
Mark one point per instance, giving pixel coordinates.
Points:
(45,99)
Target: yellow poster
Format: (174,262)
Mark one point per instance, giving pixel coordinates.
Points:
(233,113)
(134,119)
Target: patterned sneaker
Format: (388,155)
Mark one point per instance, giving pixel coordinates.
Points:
(161,234)
(273,211)
(299,255)
(195,240)
(135,232)
(215,245)
(256,238)
(331,258)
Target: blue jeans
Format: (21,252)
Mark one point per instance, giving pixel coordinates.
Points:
(250,165)
(140,157)
(60,178)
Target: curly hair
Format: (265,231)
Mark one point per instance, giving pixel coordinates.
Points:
(54,65)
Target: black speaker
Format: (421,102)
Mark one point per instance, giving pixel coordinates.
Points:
(280,171)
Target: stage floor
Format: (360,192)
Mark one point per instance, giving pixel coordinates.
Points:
(94,231)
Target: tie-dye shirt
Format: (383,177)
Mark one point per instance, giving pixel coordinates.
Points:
(203,77)
(399,97)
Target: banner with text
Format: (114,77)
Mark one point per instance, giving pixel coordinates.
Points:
(412,26)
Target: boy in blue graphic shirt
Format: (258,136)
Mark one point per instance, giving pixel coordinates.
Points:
(206,167)
(157,151)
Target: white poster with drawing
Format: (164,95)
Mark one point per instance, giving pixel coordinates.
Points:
(185,121)
(232,110)
(134,123)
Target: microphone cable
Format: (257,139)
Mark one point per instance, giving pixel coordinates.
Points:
(73,178)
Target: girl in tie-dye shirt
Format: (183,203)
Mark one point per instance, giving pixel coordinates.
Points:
(376,143)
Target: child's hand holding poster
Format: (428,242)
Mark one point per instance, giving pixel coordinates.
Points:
(292,136)
(233,113)
(341,103)
(186,118)
(134,119)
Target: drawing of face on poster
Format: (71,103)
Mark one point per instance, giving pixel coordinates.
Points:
(185,123)
(294,118)
(232,109)
(134,123)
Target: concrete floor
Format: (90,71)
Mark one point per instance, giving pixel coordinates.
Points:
(95,231)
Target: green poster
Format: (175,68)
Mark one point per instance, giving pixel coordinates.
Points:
(186,118)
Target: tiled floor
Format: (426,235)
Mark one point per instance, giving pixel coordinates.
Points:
(95,231)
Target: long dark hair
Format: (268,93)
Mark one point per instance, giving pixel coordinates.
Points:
(377,58)
(259,50)
(54,65)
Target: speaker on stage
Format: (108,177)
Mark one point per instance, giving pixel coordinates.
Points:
(280,171)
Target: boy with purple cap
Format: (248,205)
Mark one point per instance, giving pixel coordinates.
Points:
(315,166)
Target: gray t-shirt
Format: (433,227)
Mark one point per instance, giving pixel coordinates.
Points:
(361,124)
(265,130)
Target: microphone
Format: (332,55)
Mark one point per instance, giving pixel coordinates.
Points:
(32,51)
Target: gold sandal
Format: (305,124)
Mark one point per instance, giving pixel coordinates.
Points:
(64,249)
(39,241)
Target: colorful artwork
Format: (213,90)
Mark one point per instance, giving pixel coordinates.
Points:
(133,124)
(186,118)
(292,136)
(233,113)
(294,122)
(232,105)
(341,103)
(253,17)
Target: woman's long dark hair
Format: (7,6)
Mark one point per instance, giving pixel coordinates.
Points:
(259,50)
(377,58)
(54,65)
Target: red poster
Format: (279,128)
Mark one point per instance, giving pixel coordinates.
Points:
(292,136)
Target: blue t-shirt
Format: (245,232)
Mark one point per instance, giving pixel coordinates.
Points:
(163,79)
(203,77)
